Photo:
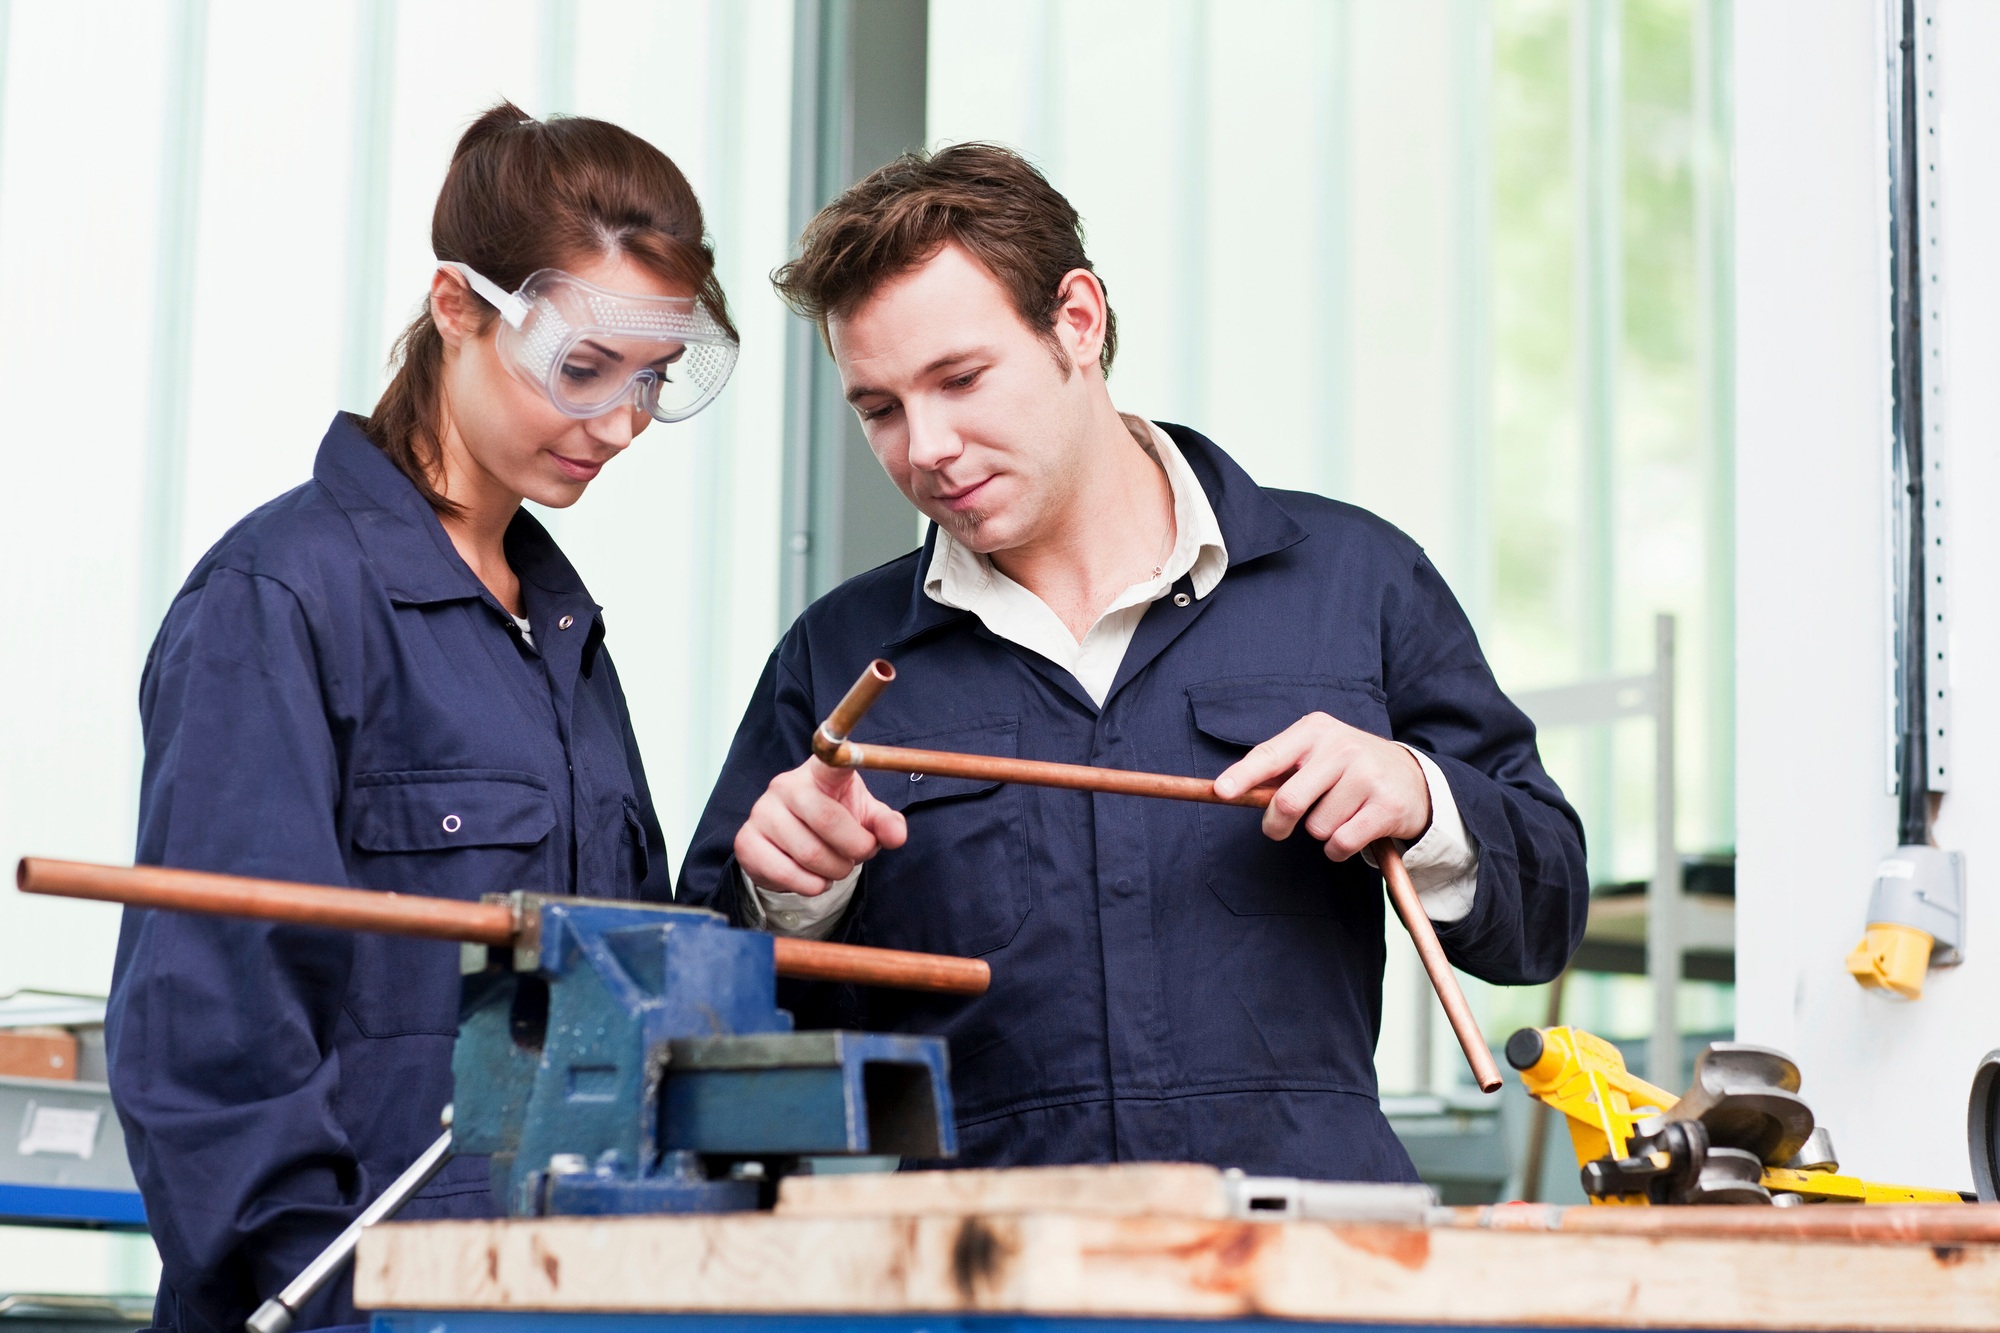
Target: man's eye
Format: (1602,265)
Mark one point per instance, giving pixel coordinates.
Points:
(875,413)
(962,381)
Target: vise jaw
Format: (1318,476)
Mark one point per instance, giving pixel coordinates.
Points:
(631,1058)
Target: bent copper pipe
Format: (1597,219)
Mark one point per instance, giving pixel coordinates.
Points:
(831,746)
(489,923)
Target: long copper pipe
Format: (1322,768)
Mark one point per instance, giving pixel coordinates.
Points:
(832,746)
(447,919)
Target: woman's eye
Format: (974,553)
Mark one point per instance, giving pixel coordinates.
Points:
(578,374)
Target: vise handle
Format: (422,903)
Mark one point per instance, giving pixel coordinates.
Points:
(447,919)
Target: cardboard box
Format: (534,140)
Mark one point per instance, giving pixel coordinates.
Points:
(38,1053)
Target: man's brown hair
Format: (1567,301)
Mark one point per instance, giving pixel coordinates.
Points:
(986,199)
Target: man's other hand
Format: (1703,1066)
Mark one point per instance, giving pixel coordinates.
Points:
(811,827)
(1348,786)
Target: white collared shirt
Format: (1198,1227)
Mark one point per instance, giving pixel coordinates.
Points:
(1443,864)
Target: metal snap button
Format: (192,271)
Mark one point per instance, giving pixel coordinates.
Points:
(565,622)
(1182,599)
(789,920)
(452,824)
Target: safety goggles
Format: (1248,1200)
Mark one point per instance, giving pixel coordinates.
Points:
(593,351)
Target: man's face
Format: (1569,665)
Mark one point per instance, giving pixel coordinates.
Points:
(967,409)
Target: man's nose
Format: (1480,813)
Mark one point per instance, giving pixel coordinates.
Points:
(933,441)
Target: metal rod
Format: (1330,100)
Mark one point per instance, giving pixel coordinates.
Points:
(1907,382)
(1539,1111)
(1914,1223)
(832,747)
(446,919)
(1664,949)
(276,1315)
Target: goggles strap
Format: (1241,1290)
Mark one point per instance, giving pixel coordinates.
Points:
(511,307)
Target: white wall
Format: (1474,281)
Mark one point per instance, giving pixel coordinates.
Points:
(1813,814)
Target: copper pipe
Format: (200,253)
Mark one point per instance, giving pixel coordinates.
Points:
(271,900)
(832,747)
(816,960)
(445,919)
(847,714)
(1911,1223)
(1457,1011)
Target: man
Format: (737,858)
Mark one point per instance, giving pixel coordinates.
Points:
(1170,981)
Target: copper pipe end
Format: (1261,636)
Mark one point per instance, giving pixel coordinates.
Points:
(829,742)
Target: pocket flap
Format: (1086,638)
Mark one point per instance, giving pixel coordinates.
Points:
(445,809)
(1250,711)
(901,790)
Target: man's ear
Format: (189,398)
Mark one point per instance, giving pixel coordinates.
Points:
(1081,316)
(458,314)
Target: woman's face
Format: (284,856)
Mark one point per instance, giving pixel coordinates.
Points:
(504,441)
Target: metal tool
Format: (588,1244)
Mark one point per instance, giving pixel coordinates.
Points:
(832,747)
(620,1057)
(1742,1134)
(1747,1097)
(1288,1199)
(276,1315)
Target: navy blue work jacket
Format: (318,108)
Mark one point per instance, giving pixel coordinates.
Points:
(335,698)
(1168,983)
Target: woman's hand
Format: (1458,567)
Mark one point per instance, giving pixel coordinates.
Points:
(811,827)
(1350,787)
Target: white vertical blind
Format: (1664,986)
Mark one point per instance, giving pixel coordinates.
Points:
(274,295)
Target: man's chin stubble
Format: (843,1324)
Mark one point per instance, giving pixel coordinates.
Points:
(964,527)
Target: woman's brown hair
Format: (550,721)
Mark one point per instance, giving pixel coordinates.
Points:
(524,194)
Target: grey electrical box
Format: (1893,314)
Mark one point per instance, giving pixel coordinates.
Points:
(1923,887)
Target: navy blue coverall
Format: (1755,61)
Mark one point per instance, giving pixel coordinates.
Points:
(1168,983)
(335,698)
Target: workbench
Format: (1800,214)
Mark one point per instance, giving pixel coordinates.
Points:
(1127,1248)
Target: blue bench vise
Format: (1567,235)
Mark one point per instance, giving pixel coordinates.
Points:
(631,1058)
(612,1057)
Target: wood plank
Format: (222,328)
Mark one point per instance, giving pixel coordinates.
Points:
(1050,1264)
(1149,1189)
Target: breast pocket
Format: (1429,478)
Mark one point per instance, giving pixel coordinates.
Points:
(1251,874)
(449,833)
(960,885)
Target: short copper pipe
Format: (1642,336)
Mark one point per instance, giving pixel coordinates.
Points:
(832,746)
(1887,1223)
(444,919)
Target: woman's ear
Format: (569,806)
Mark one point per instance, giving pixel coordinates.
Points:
(1082,314)
(458,314)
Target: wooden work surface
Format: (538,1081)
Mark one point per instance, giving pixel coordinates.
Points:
(1115,1252)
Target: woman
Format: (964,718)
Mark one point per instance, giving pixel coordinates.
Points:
(391,678)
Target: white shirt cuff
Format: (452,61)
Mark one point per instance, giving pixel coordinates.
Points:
(1444,863)
(795,914)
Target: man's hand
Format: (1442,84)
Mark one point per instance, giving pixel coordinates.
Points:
(811,827)
(1350,787)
